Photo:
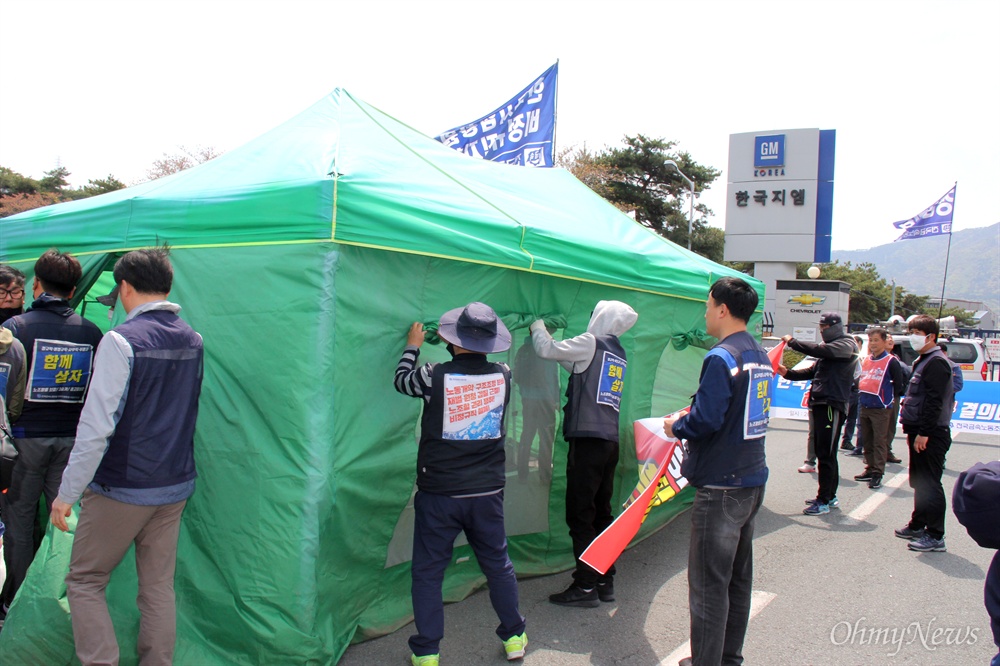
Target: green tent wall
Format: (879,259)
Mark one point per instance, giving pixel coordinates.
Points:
(302,258)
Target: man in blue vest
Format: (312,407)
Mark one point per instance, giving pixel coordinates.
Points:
(59,348)
(596,362)
(724,461)
(926,419)
(133,463)
(460,472)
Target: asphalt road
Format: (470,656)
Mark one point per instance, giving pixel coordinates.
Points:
(838,589)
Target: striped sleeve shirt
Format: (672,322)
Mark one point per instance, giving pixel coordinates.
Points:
(411,380)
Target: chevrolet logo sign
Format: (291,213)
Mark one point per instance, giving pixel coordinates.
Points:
(807,299)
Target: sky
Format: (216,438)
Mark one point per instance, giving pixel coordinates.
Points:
(912,88)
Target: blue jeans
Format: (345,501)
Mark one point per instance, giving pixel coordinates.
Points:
(720,572)
(438,519)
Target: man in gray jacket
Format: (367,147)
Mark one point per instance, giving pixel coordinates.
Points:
(829,398)
(596,363)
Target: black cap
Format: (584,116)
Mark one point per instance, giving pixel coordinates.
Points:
(830,319)
(109,299)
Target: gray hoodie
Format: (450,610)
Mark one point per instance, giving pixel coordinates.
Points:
(575,354)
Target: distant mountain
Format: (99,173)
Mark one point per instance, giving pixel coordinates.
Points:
(918,265)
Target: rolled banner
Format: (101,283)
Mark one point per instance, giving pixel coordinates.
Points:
(659,481)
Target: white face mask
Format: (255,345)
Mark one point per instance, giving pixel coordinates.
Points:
(917,341)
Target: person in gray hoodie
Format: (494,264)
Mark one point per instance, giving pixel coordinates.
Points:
(596,362)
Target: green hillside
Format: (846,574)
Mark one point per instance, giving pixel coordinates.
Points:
(918,265)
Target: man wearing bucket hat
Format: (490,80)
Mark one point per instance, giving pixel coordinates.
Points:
(832,379)
(596,363)
(460,472)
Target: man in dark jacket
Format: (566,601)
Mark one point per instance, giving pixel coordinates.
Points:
(926,419)
(725,461)
(832,379)
(976,503)
(460,472)
(59,349)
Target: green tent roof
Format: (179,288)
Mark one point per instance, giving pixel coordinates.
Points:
(344,171)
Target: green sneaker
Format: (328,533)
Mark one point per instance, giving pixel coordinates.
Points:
(425,660)
(514,646)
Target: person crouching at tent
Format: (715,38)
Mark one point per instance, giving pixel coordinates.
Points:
(460,472)
(596,362)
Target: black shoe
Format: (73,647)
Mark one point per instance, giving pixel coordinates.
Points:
(606,592)
(906,532)
(859,451)
(847,446)
(893,459)
(576,596)
(876,482)
(866,476)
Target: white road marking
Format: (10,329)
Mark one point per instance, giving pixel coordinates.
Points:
(868,507)
(758,600)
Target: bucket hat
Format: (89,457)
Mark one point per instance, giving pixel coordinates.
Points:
(476,328)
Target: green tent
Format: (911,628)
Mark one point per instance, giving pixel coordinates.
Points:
(302,258)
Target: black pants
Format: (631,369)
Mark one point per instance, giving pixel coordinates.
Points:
(926,469)
(827,422)
(590,476)
(853,414)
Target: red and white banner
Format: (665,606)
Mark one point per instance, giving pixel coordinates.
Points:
(659,481)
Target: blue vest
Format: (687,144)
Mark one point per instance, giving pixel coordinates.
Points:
(734,455)
(153,444)
(462,430)
(51,319)
(593,397)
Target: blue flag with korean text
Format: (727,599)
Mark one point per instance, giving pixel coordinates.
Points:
(935,220)
(522,131)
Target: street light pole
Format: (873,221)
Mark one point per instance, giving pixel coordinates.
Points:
(673,165)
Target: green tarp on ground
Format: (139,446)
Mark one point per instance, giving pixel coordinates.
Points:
(302,258)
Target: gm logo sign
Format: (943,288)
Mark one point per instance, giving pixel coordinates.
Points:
(769,151)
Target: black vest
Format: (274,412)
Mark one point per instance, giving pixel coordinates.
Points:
(153,444)
(462,430)
(916,391)
(731,457)
(53,320)
(593,397)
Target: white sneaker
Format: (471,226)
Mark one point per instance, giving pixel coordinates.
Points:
(807,469)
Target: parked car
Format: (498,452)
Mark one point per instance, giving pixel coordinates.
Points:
(969,353)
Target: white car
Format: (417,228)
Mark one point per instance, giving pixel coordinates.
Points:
(969,353)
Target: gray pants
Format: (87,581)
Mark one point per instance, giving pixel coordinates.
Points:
(104,533)
(38,472)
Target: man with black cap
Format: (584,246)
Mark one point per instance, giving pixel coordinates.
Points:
(832,379)
(460,472)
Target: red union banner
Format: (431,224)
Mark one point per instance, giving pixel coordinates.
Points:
(659,481)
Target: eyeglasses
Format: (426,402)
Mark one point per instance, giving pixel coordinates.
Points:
(10,293)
